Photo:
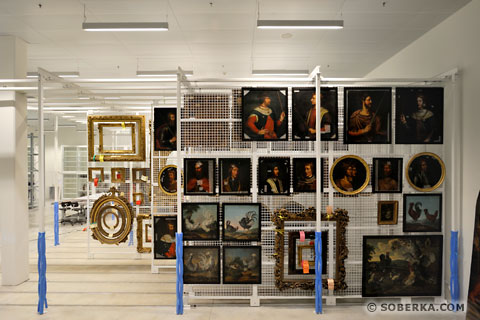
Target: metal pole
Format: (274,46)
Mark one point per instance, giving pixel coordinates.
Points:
(56,191)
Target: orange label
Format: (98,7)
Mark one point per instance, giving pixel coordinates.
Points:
(306,267)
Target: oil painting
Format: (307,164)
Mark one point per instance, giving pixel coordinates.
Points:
(241,221)
(200,221)
(242,265)
(201,265)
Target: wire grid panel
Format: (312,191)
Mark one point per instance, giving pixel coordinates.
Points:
(220,136)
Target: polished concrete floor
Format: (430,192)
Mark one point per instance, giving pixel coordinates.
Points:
(117,283)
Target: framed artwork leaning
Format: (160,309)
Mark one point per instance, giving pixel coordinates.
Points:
(200,221)
(201,265)
(242,265)
(304,114)
(368,113)
(235,176)
(425,171)
(241,221)
(349,174)
(387,175)
(165,129)
(422,212)
(264,114)
(419,115)
(305,175)
(164,229)
(387,212)
(199,176)
(274,176)
(399,266)
(300,251)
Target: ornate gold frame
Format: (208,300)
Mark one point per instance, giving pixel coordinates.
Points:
(367,178)
(111,200)
(112,125)
(140,247)
(160,175)
(442,178)
(341,218)
(90,174)
(142,198)
(113,175)
(143,172)
(146,232)
(395,212)
(118,155)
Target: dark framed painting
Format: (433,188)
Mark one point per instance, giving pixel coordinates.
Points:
(387,212)
(399,266)
(274,176)
(368,115)
(241,221)
(305,175)
(425,171)
(167,180)
(419,116)
(265,114)
(242,265)
(387,175)
(200,221)
(164,229)
(300,251)
(201,265)
(165,129)
(235,176)
(199,176)
(349,174)
(473,299)
(304,112)
(422,212)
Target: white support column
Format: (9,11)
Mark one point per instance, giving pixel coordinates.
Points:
(13,166)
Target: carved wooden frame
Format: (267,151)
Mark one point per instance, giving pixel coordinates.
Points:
(340,217)
(113,175)
(122,125)
(91,170)
(140,247)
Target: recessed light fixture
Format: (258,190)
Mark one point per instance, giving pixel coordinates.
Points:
(112,98)
(125,26)
(169,73)
(65,74)
(280,72)
(68,117)
(300,24)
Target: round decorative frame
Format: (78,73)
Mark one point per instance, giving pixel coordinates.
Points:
(164,169)
(364,184)
(425,154)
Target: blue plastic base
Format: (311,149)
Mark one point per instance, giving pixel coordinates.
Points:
(318,272)
(55,223)
(42,271)
(454,284)
(179,253)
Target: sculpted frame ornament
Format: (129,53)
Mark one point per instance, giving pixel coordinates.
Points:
(340,217)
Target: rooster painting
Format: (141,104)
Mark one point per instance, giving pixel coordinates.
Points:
(201,265)
(247,221)
(422,212)
(241,222)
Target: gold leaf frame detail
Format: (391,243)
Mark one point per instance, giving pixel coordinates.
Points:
(140,247)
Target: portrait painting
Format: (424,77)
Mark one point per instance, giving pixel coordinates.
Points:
(425,171)
(305,175)
(164,229)
(167,179)
(235,176)
(387,175)
(274,176)
(242,265)
(165,129)
(419,116)
(199,176)
(241,221)
(473,299)
(264,114)
(387,212)
(368,113)
(200,221)
(349,174)
(304,112)
(201,265)
(399,266)
(422,212)
(300,251)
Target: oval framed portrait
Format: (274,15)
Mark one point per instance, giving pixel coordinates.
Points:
(425,171)
(349,174)
(167,179)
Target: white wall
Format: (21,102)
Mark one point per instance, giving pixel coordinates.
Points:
(455,43)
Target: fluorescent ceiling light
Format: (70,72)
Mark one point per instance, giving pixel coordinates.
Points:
(68,116)
(300,24)
(112,98)
(280,72)
(171,73)
(66,74)
(125,26)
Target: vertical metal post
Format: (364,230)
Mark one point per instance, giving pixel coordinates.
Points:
(56,191)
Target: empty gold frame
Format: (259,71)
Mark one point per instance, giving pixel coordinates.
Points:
(120,126)
(138,196)
(140,247)
(96,125)
(147,228)
(115,173)
(138,173)
(95,171)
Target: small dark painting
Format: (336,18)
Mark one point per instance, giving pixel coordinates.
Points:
(199,176)
(422,212)
(305,175)
(274,176)
(235,176)
(242,265)
(387,175)
(165,129)
(241,221)
(164,231)
(200,221)
(201,265)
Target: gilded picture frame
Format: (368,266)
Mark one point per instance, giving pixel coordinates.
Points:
(387,212)
(426,164)
(344,181)
(114,175)
(141,171)
(102,126)
(91,172)
(140,247)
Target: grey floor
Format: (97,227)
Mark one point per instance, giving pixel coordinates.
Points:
(118,284)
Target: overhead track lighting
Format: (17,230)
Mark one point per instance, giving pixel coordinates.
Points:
(125,26)
(66,74)
(280,72)
(300,24)
(171,73)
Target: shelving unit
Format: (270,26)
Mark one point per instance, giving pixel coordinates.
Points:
(32,171)
(74,171)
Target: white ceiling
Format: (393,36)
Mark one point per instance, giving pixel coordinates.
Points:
(217,38)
